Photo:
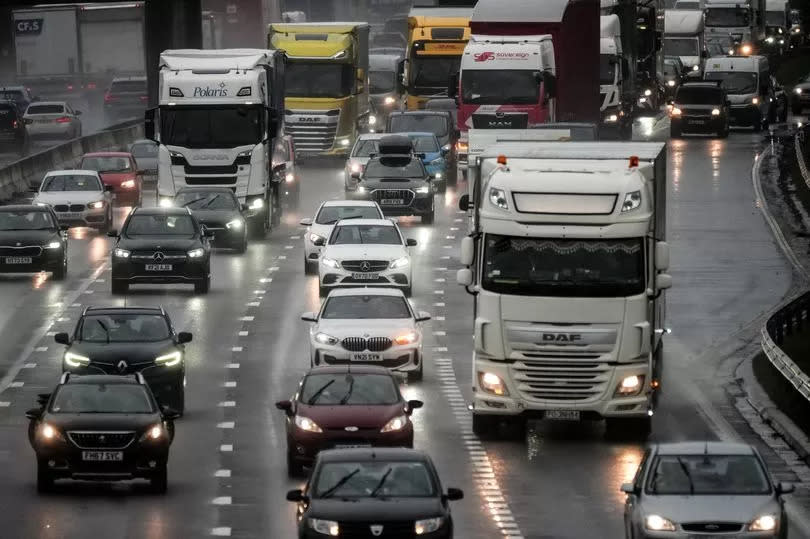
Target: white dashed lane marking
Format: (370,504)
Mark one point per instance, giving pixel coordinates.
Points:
(221,532)
(222,473)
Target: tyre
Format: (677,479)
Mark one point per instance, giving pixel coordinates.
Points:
(60,273)
(203,286)
(427,219)
(628,428)
(257,226)
(485,426)
(44,478)
(294,468)
(119,287)
(159,481)
(309,267)
(242,247)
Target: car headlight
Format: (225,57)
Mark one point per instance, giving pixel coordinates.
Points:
(355,167)
(76,360)
(632,201)
(642,100)
(462,146)
(46,204)
(498,198)
(611,118)
(326,527)
(236,224)
(372,120)
(648,92)
(658,523)
(344,141)
(54,245)
(492,383)
(196,253)
(153,433)
(746,49)
(675,111)
(797,90)
(289,178)
(765,523)
(695,67)
(437,176)
(769,39)
(428,525)
(755,100)
(389,100)
(257,204)
(407,338)
(715,112)
(630,386)
(781,41)
(166,202)
(397,423)
(330,263)
(49,432)
(305,423)
(670,83)
(128,184)
(121,253)
(361,189)
(399,262)
(325,338)
(96,205)
(422,190)
(169,360)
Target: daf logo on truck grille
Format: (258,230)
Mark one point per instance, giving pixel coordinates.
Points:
(562,337)
(309,119)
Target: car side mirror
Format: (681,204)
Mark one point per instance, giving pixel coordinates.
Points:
(549,84)
(320,242)
(64,228)
(410,242)
(109,189)
(422,316)
(661,256)
(628,488)
(62,338)
(467,251)
(34,413)
(183,337)
(663,281)
(285,406)
(454,494)
(464,202)
(208,233)
(785,488)
(43,398)
(309,317)
(113,233)
(445,149)
(169,413)
(414,404)
(149,124)
(296,495)
(464,277)
(77,112)
(305,222)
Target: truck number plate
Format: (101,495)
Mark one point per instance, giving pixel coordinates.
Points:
(562,415)
(103,456)
(158,267)
(18,260)
(392,202)
(366,357)
(365,276)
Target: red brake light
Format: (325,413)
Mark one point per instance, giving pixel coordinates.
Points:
(14,124)
(91,85)
(144,97)
(108,97)
(62,120)
(70,87)
(633,161)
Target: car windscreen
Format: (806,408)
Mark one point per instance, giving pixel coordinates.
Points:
(202,200)
(350,307)
(775,18)
(429,123)
(46,109)
(26,220)
(145,149)
(8,110)
(499,86)
(101,399)
(704,474)
(211,127)
(681,46)
(318,79)
(394,167)
(735,82)
(699,96)
(107,164)
(362,389)
(382,81)
(12,95)
(364,148)
(423,144)
(330,215)
(365,234)
(121,327)
(66,182)
(160,225)
(364,479)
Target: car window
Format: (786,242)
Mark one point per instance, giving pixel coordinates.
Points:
(699,96)
(364,148)
(423,144)
(46,109)
(101,398)
(395,167)
(348,307)
(347,389)
(66,182)
(26,220)
(107,164)
(201,200)
(707,474)
(145,149)
(330,215)
(365,234)
(160,225)
(379,478)
(124,328)
(128,86)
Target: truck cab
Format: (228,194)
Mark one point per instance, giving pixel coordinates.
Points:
(744,21)
(747,82)
(684,39)
(383,86)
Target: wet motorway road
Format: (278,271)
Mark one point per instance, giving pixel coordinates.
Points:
(227,469)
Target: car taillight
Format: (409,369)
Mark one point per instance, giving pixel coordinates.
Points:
(62,120)
(108,97)
(144,98)
(70,87)
(14,124)
(91,86)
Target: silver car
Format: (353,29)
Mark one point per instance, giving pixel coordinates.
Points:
(145,153)
(364,146)
(52,119)
(704,489)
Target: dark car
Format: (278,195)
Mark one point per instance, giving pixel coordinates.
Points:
(438,122)
(375,492)
(218,209)
(397,180)
(163,246)
(345,406)
(19,94)
(800,96)
(699,107)
(103,428)
(125,98)
(674,75)
(13,135)
(126,340)
(32,240)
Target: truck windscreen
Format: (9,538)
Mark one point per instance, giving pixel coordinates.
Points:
(381,82)
(775,18)
(727,17)
(563,268)
(681,46)
(318,79)
(433,71)
(607,69)
(500,86)
(211,127)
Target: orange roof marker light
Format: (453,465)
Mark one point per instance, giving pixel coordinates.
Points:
(501,159)
(633,161)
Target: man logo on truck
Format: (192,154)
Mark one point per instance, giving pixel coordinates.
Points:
(484,56)
(561,337)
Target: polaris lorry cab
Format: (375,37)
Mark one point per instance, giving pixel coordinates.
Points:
(747,81)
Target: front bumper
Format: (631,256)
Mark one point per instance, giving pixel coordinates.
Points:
(699,124)
(681,534)
(86,217)
(306,445)
(46,260)
(184,271)
(335,278)
(140,460)
(400,358)
(745,115)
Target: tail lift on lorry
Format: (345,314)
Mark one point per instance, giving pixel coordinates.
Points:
(217,123)
(567,263)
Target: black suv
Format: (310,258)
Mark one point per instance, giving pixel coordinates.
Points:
(397,180)
(32,240)
(161,245)
(699,107)
(218,209)
(125,98)
(19,95)
(126,340)
(12,128)
(105,428)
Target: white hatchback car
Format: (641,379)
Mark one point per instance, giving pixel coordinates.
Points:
(374,326)
(78,197)
(328,214)
(52,119)
(366,252)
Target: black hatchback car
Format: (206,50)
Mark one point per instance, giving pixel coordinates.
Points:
(161,245)
(699,107)
(376,492)
(32,240)
(102,428)
(13,135)
(126,340)
(397,180)
(218,209)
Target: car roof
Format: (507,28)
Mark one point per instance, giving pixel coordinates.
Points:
(123,310)
(37,103)
(101,379)
(372,136)
(380,222)
(372,453)
(369,203)
(353,369)
(159,210)
(705,448)
(107,154)
(24,207)
(370,291)
(72,172)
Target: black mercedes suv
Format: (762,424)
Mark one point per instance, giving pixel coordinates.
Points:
(219,210)
(103,428)
(32,240)
(125,340)
(161,245)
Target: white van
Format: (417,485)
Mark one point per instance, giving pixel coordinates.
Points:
(747,81)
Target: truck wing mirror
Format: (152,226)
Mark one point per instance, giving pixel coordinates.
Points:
(464,277)
(663,281)
(467,251)
(452,86)
(550,84)
(661,256)
(272,122)
(149,124)
(464,202)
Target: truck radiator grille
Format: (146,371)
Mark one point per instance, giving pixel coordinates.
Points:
(210,180)
(312,131)
(562,381)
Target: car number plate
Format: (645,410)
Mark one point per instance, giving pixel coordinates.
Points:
(158,267)
(44,121)
(351,446)
(18,260)
(562,415)
(366,357)
(103,456)
(696,122)
(69,215)
(392,202)
(365,276)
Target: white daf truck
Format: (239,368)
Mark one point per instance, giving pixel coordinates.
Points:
(217,124)
(567,263)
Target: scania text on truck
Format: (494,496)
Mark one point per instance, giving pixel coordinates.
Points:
(216,125)
(327,94)
(567,265)
(743,20)
(684,39)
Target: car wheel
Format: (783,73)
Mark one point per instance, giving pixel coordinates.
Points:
(159,481)
(242,247)
(119,287)
(418,374)
(44,477)
(309,267)
(202,286)
(60,273)
(628,428)
(427,219)
(485,426)
(294,468)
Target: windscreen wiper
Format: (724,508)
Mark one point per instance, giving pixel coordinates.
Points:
(377,488)
(342,481)
(348,394)
(318,393)
(688,475)
(106,331)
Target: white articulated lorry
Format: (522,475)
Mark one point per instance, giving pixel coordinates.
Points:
(217,125)
(684,39)
(567,263)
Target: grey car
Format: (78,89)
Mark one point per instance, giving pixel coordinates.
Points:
(145,153)
(704,489)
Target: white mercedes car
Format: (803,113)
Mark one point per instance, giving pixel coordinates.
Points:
(365,252)
(329,213)
(375,326)
(78,197)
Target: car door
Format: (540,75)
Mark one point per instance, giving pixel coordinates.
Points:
(632,505)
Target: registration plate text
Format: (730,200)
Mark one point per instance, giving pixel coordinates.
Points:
(392,202)
(562,415)
(365,276)
(18,260)
(103,456)
(366,357)
(158,267)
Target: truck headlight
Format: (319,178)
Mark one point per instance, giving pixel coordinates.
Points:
(797,90)
(675,111)
(695,67)
(330,263)
(76,360)
(769,39)
(326,527)
(611,118)
(289,178)
(397,423)
(236,224)
(648,92)
(630,386)
(257,204)
(671,83)
(399,262)
(492,383)
(755,100)
(389,100)
(428,525)
(498,198)
(632,201)
(305,423)
(746,49)
(325,338)
(121,253)
(196,253)
(169,360)
(765,523)
(658,523)
(715,112)
(372,120)
(166,202)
